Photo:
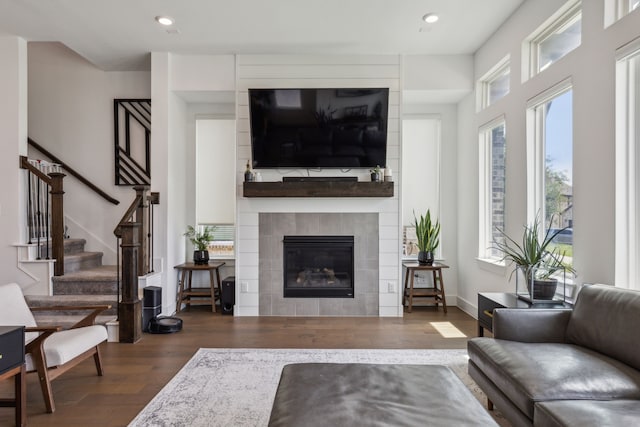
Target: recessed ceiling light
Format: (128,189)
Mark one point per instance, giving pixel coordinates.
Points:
(164,20)
(430,18)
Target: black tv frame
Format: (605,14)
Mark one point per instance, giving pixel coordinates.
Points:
(318,128)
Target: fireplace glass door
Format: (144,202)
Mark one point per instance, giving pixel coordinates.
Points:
(318,266)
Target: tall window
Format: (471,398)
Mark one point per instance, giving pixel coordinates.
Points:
(555,38)
(420,165)
(628,167)
(550,157)
(494,85)
(215,182)
(492,182)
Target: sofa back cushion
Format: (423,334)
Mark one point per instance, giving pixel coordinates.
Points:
(606,319)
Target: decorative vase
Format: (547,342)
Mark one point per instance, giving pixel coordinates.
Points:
(543,289)
(200,257)
(425,258)
(375,177)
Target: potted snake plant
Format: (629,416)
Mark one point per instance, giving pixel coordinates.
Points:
(428,236)
(535,258)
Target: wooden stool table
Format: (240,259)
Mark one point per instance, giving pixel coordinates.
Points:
(206,296)
(436,292)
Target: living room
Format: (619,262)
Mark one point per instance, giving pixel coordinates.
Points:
(66,98)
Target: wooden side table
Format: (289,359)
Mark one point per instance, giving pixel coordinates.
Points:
(205,296)
(436,292)
(489,301)
(12,366)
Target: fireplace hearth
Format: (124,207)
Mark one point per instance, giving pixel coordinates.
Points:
(318,266)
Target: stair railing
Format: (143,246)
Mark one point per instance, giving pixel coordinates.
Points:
(135,240)
(72,171)
(45,211)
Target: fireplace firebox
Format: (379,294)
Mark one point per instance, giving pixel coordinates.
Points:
(318,267)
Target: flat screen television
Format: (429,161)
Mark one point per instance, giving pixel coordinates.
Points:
(318,128)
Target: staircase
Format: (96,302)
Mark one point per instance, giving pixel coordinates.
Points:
(85,282)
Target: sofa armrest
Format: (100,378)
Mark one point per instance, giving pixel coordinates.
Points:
(530,325)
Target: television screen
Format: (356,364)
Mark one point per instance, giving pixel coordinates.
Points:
(318,128)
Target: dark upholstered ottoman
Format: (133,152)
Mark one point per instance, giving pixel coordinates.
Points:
(348,394)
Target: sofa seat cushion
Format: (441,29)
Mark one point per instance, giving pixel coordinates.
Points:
(63,346)
(587,413)
(534,372)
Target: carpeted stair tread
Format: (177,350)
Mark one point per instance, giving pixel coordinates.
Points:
(74,246)
(93,281)
(70,300)
(46,300)
(96,274)
(82,261)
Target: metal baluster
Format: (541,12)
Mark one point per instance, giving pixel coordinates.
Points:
(38,219)
(29,206)
(48,222)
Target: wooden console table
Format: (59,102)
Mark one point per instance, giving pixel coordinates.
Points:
(205,296)
(12,366)
(436,292)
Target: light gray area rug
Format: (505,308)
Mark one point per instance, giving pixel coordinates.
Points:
(236,387)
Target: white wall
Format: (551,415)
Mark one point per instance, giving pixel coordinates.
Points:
(175,81)
(591,68)
(283,71)
(71,115)
(13,128)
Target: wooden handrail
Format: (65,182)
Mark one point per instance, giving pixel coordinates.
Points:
(72,172)
(24,164)
(127,216)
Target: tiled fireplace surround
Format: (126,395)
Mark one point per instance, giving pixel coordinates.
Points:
(272,227)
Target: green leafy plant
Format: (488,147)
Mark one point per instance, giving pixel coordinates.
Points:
(427,232)
(200,240)
(376,170)
(533,254)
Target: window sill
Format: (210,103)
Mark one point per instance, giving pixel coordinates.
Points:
(492,266)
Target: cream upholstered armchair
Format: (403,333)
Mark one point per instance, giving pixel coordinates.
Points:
(50,351)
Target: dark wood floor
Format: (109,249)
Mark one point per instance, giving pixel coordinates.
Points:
(134,373)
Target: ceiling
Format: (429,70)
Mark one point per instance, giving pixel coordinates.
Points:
(119,34)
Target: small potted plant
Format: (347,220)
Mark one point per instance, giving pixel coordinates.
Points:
(376,174)
(428,235)
(200,241)
(534,257)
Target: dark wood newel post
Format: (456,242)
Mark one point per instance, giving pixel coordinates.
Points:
(57,222)
(130,309)
(143,230)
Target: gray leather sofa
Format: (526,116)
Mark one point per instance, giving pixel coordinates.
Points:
(564,367)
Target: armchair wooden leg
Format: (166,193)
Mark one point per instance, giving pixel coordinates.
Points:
(43,376)
(98,360)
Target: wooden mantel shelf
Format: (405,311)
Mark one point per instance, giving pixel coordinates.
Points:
(318,189)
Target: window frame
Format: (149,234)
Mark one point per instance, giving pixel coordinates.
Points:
(536,160)
(531,50)
(627,223)
(614,10)
(483,84)
(229,231)
(485,188)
